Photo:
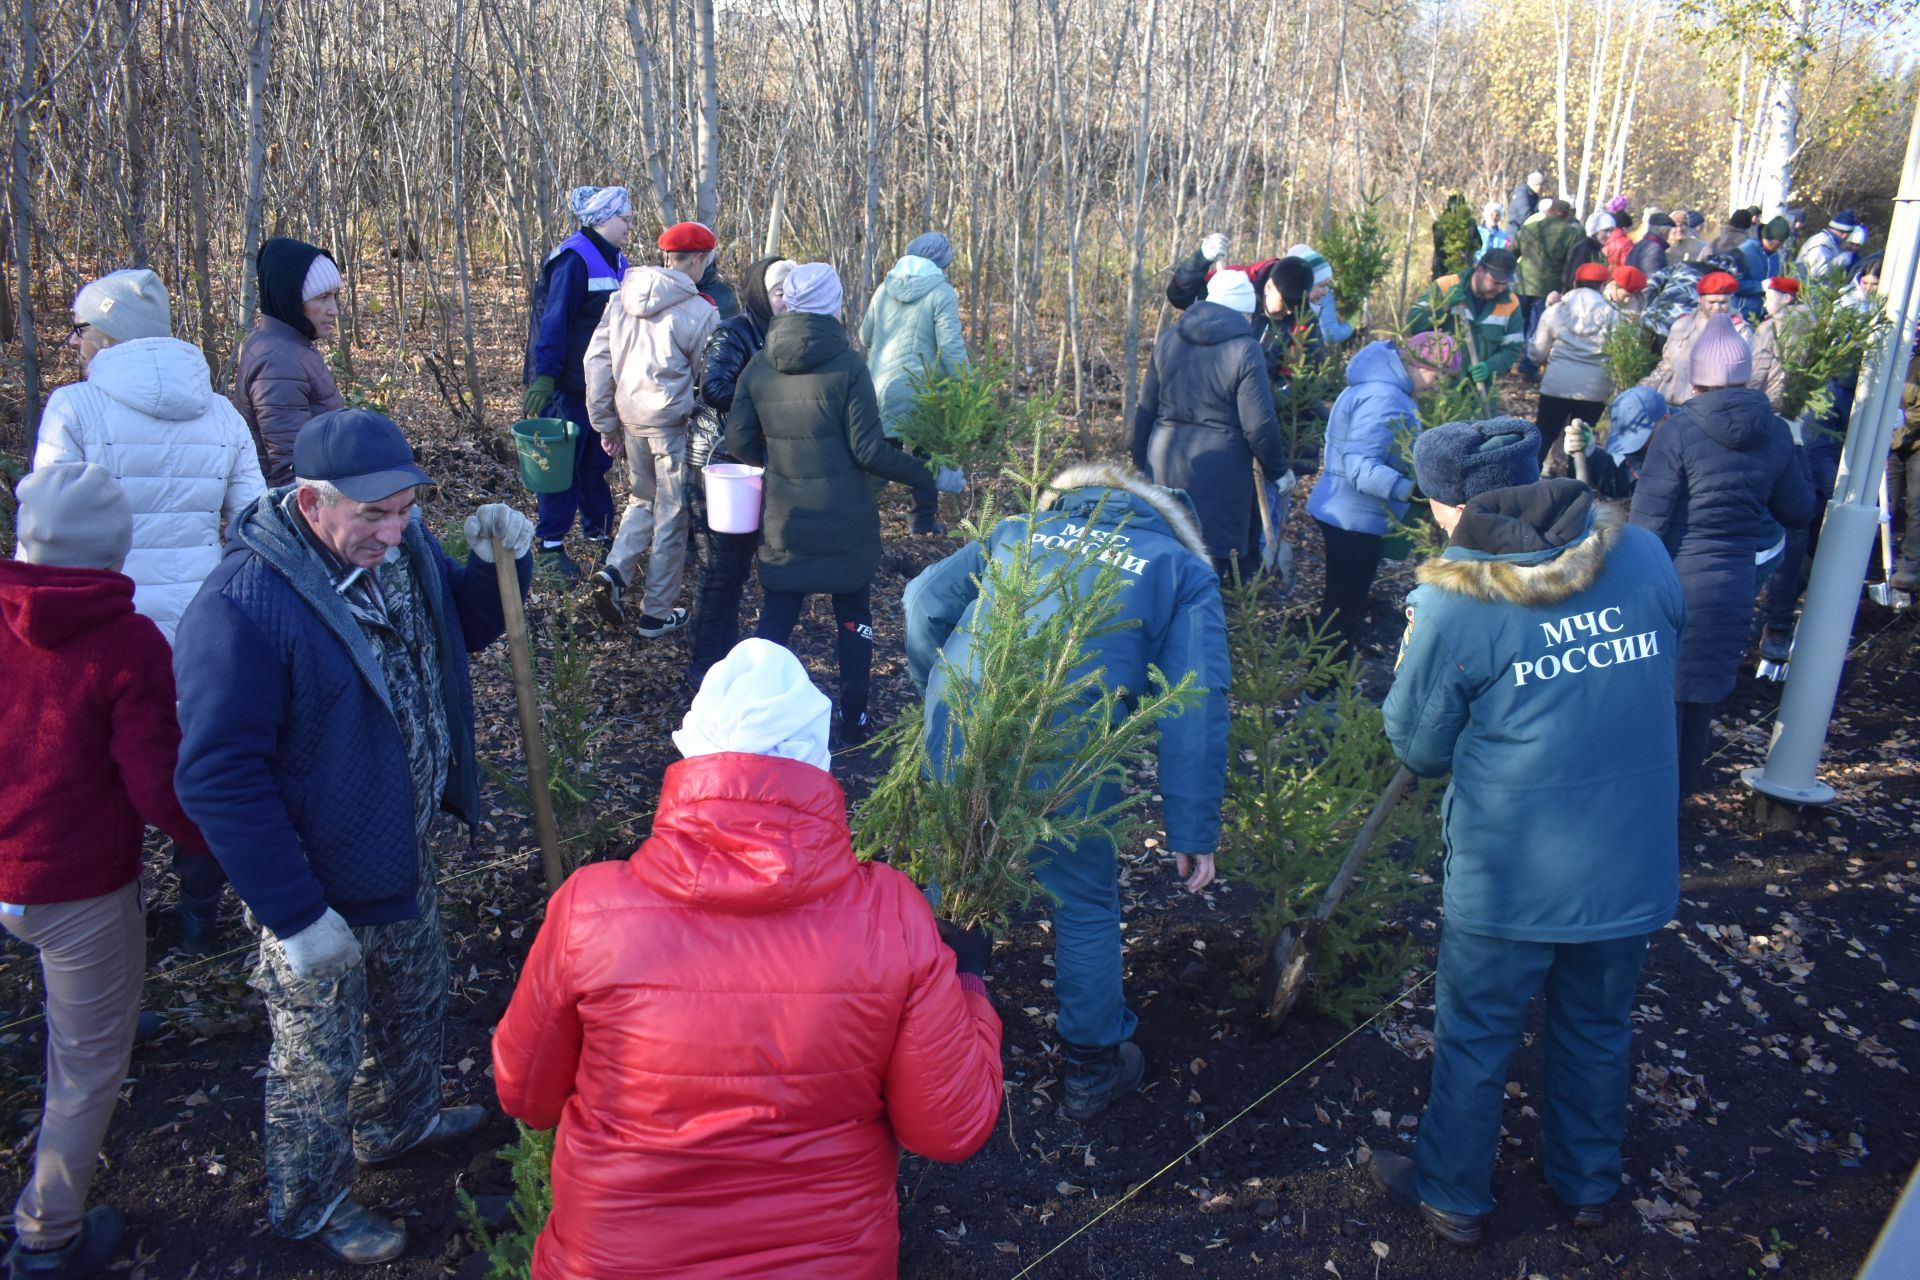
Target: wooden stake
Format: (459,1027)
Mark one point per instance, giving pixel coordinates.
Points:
(531,738)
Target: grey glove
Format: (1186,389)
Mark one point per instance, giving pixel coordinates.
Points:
(323,950)
(950,480)
(498,520)
(1214,247)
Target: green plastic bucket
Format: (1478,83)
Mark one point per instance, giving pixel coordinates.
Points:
(545,446)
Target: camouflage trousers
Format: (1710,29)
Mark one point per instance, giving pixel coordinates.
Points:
(354,1073)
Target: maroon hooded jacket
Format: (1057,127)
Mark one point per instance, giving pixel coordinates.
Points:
(89,728)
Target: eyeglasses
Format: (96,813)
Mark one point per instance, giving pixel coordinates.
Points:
(79,331)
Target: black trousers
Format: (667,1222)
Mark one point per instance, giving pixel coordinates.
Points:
(1552,419)
(726,562)
(1695,722)
(1352,560)
(853,638)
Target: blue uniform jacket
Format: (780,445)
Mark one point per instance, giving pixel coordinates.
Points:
(576,281)
(291,761)
(1173,596)
(1538,668)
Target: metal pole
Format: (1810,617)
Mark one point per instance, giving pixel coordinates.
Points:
(1852,522)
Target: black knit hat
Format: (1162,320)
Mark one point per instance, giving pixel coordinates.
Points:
(1742,219)
(1294,279)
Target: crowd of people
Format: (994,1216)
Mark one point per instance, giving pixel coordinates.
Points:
(237,606)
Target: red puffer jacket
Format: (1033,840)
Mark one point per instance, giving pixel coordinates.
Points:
(733,1029)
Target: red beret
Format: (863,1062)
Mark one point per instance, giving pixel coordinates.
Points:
(1632,279)
(1715,282)
(687,237)
(1784,284)
(1590,273)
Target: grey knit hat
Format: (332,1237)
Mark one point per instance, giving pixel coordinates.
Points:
(73,514)
(1458,461)
(125,305)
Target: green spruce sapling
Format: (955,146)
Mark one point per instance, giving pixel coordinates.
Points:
(1042,731)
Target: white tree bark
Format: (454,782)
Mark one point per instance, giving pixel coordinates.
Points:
(706,198)
(1783,116)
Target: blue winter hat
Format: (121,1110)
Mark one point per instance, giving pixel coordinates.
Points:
(1459,461)
(1632,416)
(934,247)
(359,452)
(1845,220)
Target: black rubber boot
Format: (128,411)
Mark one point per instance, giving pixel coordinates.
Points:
(926,511)
(202,883)
(1096,1077)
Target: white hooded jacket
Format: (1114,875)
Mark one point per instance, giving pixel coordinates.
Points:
(148,413)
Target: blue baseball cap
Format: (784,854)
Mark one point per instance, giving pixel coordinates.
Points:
(359,452)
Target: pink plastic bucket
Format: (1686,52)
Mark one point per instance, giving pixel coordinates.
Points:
(733,496)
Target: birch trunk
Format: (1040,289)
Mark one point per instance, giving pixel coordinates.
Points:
(260,29)
(649,125)
(1137,260)
(706,199)
(1783,117)
(478,409)
(20,210)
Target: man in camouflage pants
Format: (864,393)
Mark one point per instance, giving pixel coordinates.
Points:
(326,718)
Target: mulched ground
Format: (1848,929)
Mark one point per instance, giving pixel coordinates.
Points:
(1771,1132)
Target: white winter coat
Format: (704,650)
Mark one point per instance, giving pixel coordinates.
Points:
(148,413)
(1571,341)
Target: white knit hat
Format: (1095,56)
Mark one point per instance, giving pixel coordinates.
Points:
(758,700)
(323,276)
(1232,290)
(73,514)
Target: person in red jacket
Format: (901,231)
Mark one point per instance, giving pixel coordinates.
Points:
(737,1028)
(90,722)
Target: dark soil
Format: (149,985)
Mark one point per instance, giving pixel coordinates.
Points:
(1772,1126)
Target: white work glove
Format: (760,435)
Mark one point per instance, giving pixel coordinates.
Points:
(1214,247)
(1577,438)
(498,520)
(323,950)
(1196,870)
(950,480)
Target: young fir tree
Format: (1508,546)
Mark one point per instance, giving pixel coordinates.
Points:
(1033,731)
(1301,785)
(1356,246)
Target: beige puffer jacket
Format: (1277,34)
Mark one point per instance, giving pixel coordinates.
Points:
(646,354)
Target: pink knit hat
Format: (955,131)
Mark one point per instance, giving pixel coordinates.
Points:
(1720,356)
(1435,350)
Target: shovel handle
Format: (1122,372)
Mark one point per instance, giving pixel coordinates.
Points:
(531,738)
(1362,842)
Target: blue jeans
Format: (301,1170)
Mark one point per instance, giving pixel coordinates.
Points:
(589,497)
(1084,880)
(1531,309)
(1481,998)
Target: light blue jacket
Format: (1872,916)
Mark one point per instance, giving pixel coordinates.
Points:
(912,325)
(1359,485)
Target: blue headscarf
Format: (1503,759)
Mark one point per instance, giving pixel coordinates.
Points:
(594,205)
(934,247)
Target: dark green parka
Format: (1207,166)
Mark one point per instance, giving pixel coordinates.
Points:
(804,409)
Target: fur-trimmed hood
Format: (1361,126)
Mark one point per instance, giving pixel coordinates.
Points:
(1171,505)
(1529,579)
